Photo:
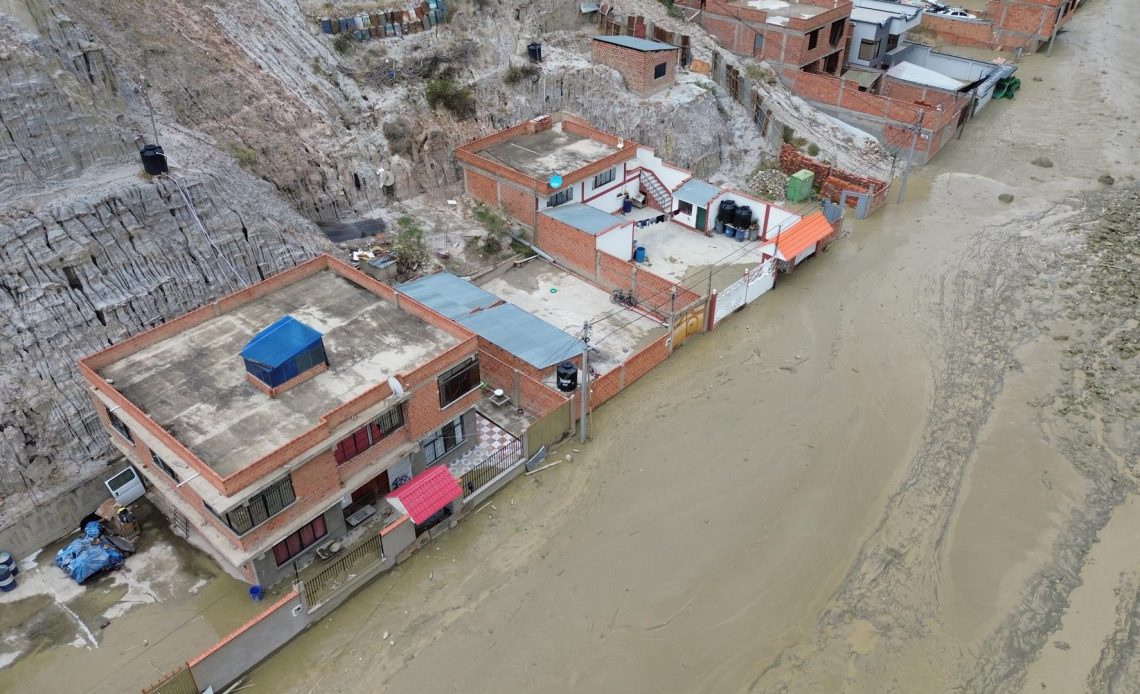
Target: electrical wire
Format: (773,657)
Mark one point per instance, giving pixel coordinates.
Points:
(194,214)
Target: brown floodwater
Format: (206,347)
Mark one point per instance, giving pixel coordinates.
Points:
(851,485)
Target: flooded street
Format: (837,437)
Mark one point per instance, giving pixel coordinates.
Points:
(909,468)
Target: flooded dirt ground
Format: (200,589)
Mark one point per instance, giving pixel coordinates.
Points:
(911,467)
(122,630)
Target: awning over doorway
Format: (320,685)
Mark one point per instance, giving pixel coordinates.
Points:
(426,494)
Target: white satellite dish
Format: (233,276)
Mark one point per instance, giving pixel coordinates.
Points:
(397,389)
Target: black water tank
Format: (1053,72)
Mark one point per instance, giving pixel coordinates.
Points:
(154,161)
(534,50)
(743,217)
(567,375)
(726,211)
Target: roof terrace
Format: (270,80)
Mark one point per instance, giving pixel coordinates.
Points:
(193,383)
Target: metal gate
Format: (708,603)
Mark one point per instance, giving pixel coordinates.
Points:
(755,283)
(687,324)
(862,202)
(181,681)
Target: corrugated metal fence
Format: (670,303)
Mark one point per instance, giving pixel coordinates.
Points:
(181,681)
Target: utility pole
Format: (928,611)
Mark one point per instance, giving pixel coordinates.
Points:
(910,155)
(585,385)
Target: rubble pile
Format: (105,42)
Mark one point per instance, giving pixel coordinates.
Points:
(769,183)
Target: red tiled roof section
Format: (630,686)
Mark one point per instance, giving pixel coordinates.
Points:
(809,230)
(427,493)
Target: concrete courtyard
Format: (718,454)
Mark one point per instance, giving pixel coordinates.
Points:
(566,301)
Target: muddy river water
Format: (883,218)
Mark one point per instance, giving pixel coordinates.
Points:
(909,468)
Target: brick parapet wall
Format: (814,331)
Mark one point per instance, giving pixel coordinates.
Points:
(832,181)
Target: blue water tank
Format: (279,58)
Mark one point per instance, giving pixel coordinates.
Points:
(626,206)
(9,562)
(729,231)
(639,254)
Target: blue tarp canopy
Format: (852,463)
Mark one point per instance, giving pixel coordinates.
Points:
(284,350)
(280,342)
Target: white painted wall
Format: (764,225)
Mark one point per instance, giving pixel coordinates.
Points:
(776,215)
(617,242)
(870,32)
(804,256)
(779,219)
(609,195)
(671,177)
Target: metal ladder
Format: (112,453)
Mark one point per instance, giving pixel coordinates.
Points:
(179,523)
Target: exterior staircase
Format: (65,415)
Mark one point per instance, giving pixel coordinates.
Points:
(657,191)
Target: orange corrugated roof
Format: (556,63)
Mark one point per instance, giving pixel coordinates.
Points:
(802,235)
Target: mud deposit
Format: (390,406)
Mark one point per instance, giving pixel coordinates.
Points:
(911,468)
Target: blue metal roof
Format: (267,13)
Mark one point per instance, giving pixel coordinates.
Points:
(280,342)
(696,190)
(636,43)
(584,218)
(449,295)
(507,326)
(528,337)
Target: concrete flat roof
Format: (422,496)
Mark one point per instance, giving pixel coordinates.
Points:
(549,152)
(574,301)
(679,254)
(584,218)
(193,384)
(780,11)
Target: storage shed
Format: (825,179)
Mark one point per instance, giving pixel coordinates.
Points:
(282,352)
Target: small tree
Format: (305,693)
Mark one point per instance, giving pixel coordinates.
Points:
(410,248)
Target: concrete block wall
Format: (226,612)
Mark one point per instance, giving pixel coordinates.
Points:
(637,67)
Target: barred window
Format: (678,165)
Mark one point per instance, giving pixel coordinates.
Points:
(458,381)
(260,507)
(605,177)
(297,542)
(369,435)
(659,70)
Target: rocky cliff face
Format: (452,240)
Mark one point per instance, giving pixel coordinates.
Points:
(92,250)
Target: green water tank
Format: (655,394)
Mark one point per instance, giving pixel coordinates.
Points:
(799,185)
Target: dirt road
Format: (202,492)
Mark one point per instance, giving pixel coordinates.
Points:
(909,468)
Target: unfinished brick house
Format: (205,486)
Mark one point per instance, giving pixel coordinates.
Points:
(902,92)
(271,422)
(809,35)
(1006,24)
(648,67)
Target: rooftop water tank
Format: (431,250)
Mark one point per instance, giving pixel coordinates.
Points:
(743,217)
(567,375)
(153,160)
(726,211)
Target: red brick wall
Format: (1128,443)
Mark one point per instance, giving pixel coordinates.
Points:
(636,67)
(955,32)
(613,272)
(480,187)
(567,245)
(520,205)
(643,362)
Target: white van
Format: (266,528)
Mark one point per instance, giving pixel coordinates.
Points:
(126,487)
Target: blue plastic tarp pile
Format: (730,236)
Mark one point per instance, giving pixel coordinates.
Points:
(88,556)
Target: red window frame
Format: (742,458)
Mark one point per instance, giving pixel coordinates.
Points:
(301,540)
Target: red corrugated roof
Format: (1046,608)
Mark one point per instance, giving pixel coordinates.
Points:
(426,494)
(802,235)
